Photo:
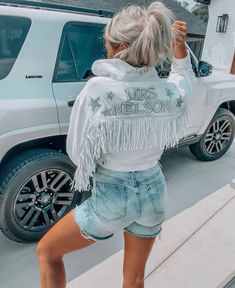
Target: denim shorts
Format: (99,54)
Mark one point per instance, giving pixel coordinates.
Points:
(132,201)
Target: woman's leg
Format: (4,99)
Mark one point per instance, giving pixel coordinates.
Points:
(62,238)
(136,253)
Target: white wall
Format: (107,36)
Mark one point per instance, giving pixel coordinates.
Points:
(220,47)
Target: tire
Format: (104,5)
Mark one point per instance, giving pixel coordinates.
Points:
(35,192)
(217,138)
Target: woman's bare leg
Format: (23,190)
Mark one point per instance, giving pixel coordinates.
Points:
(136,253)
(62,238)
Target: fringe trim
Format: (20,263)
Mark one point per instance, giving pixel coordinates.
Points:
(127,134)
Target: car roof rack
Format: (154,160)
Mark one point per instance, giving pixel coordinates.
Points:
(56,7)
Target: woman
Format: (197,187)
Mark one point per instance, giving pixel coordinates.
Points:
(120,124)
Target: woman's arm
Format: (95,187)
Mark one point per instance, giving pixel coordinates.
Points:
(181,74)
(180,29)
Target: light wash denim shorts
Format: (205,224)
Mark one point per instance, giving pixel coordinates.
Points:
(132,201)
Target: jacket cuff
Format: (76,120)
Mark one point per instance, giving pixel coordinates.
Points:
(181,63)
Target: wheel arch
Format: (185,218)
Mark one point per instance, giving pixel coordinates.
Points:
(229,105)
(55,142)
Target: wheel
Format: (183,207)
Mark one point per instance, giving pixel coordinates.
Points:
(35,192)
(217,138)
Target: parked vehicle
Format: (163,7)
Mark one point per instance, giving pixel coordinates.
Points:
(45,59)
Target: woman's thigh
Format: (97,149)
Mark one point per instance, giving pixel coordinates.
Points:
(136,253)
(62,238)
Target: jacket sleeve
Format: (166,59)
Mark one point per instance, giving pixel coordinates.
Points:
(80,120)
(182,75)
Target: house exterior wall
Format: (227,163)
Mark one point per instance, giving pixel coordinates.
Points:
(219,48)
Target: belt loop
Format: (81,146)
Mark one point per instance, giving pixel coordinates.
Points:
(132,178)
(134,181)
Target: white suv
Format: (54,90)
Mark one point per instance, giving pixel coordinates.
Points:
(45,59)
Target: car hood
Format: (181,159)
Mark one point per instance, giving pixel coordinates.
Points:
(219,77)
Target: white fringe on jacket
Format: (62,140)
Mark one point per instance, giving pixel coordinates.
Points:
(127,134)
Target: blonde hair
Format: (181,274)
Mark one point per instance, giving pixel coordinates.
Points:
(146,31)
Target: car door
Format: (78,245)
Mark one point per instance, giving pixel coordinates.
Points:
(81,44)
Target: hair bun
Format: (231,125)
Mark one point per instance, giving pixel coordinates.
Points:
(159,10)
(148,32)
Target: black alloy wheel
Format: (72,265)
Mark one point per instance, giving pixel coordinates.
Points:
(45,196)
(35,192)
(217,138)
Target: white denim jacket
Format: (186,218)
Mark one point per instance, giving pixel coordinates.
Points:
(125,117)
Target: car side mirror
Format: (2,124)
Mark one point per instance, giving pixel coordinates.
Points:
(204,69)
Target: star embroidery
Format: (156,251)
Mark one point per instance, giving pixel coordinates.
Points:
(169,93)
(94,103)
(179,102)
(110,95)
(107,112)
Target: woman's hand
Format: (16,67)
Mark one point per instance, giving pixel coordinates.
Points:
(180,28)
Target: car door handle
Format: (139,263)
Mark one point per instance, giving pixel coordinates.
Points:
(71,102)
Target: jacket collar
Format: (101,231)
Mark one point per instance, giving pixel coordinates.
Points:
(122,71)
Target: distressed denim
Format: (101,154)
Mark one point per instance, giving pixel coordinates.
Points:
(134,201)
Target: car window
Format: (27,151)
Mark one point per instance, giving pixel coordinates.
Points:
(66,69)
(164,68)
(13,31)
(81,45)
